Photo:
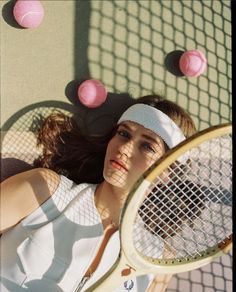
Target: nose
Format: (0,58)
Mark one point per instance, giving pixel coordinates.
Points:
(126,149)
(124,156)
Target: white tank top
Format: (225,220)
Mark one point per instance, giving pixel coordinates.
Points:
(52,248)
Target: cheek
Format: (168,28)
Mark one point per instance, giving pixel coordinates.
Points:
(140,166)
(144,162)
(110,149)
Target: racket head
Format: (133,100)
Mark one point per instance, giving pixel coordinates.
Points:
(196,175)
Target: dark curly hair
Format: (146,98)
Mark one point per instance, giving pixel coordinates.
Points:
(79,157)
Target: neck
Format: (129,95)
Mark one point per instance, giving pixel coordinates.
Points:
(109,201)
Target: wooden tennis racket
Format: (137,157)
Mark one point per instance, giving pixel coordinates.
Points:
(178,216)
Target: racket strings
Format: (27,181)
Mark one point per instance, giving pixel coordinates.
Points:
(165,205)
(189,206)
(178,211)
(212,159)
(208,176)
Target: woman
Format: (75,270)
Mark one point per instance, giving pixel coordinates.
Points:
(59,222)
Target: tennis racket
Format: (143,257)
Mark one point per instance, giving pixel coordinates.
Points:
(178,216)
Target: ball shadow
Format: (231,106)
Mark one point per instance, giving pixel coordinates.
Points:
(71,91)
(7,14)
(172,62)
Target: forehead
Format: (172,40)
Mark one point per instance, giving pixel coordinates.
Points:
(135,127)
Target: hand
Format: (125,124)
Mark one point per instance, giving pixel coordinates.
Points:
(160,283)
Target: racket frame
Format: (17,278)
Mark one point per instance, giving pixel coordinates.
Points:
(129,257)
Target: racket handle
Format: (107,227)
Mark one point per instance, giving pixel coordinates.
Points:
(228,248)
(160,283)
(227,244)
(114,278)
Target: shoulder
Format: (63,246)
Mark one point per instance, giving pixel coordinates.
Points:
(24,192)
(50,177)
(42,177)
(38,178)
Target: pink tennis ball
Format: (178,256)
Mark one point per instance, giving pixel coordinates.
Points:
(192,63)
(28,13)
(92,93)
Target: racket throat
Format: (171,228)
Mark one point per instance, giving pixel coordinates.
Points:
(82,283)
(127,271)
(116,277)
(110,230)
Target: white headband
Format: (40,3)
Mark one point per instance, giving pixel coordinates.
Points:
(154,120)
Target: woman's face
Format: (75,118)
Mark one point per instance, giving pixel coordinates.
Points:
(131,151)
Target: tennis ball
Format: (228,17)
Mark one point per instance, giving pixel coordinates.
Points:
(192,63)
(28,13)
(92,93)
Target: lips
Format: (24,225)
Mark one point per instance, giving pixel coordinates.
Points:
(118,165)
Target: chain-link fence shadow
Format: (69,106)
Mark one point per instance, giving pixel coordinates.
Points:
(134,47)
(130,41)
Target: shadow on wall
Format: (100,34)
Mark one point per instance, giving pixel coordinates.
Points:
(99,120)
(92,121)
(81,40)
(18,139)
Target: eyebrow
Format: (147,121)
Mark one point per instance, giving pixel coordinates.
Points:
(151,139)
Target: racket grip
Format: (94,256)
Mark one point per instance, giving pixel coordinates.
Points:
(228,248)
(227,244)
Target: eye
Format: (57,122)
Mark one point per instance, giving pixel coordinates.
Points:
(123,133)
(148,147)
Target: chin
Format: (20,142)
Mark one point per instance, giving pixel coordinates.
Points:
(116,181)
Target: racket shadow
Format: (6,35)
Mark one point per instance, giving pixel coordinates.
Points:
(18,134)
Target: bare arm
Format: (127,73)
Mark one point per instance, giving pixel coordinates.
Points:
(23,193)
